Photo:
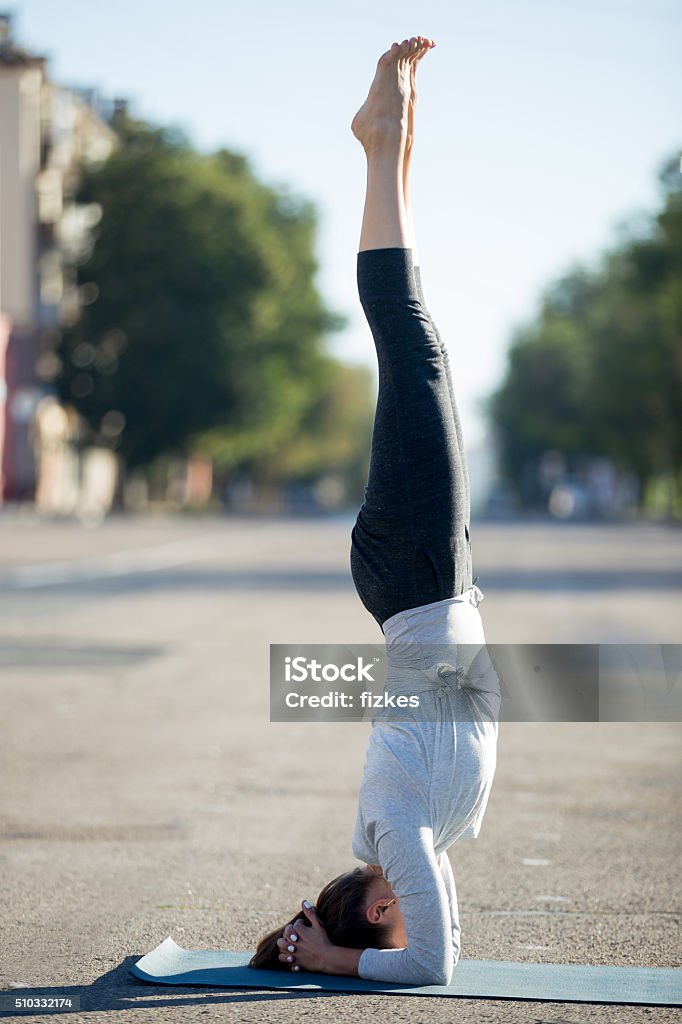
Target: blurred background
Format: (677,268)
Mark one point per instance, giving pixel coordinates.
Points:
(181,198)
(187,388)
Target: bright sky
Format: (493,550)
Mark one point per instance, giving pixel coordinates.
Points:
(541,127)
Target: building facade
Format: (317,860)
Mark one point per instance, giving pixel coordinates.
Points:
(47,134)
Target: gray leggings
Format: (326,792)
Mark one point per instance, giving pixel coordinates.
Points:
(410,544)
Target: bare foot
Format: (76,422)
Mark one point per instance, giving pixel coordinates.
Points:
(423,47)
(383,118)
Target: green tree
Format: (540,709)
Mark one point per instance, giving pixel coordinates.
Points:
(599,370)
(203,328)
(541,404)
(330,436)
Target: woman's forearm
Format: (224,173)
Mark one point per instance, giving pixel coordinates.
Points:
(341,960)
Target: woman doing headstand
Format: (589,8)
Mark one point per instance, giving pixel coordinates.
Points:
(427,777)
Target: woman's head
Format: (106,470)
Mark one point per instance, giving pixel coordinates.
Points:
(352,908)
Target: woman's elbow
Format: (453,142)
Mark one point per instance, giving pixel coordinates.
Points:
(443,976)
(438,975)
(432,970)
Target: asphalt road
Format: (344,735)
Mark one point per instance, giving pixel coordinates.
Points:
(144,792)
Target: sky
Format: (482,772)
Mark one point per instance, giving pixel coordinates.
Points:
(541,127)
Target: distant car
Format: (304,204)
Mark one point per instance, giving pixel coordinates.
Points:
(571,499)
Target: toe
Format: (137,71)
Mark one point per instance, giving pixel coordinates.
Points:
(424,47)
(389,56)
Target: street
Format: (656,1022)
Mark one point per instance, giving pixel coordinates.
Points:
(144,792)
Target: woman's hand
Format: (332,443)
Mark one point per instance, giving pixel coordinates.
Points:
(311,950)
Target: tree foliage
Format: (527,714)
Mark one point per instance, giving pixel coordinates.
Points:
(599,370)
(203,328)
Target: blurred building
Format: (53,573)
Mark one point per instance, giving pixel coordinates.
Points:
(47,133)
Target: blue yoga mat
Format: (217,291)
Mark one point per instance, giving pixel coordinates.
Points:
(169,964)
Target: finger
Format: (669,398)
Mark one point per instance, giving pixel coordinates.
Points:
(310,913)
(286,958)
(286,946)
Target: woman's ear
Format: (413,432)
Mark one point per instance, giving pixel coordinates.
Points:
(376,910)
(373,913)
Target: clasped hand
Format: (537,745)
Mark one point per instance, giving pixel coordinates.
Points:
(306,945)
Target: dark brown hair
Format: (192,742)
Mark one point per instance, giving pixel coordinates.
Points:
(341,912)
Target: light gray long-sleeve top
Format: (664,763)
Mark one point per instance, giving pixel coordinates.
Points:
(427,779)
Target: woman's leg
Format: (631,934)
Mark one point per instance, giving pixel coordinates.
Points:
(455,411)
(407,195)
(381,125)
(410,540)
